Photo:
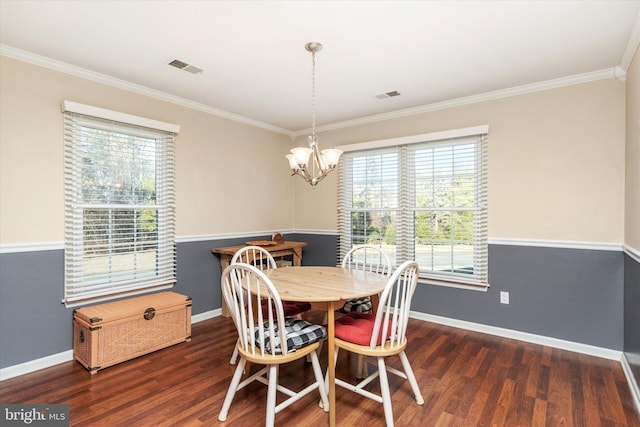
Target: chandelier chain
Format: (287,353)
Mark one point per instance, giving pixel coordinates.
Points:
(313,93)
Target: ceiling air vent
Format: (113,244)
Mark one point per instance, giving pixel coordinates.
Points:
(388,94)
(186,67)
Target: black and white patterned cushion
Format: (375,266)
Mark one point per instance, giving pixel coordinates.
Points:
(300,333)
(358,305)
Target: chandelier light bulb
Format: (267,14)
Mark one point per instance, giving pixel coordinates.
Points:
(301,155)
(332,156)
(293,164)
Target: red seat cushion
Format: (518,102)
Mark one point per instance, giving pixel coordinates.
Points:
(291,308)
(357,328)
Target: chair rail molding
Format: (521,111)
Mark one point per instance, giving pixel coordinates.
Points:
(569,244)
(7,248)
(632,252)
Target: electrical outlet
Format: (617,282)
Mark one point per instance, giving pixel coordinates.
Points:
(504,297)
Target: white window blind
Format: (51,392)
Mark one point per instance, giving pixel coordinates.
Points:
(422,201)
(119,209)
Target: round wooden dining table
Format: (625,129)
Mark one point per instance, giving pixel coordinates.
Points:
(327,288)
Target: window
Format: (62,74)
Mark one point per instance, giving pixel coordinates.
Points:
(422,198)
(119,204)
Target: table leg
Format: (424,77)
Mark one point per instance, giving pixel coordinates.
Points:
(224,263)
(331,367)
(375,300)
(297,256)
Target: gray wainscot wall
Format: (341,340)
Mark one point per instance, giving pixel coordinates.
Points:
(589,297)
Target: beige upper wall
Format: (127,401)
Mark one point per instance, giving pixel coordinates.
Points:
(632,168)
(226,179)
(556,162)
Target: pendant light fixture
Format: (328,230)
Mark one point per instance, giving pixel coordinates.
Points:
(309,162)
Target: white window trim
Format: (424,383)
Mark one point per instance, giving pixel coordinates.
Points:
(415,139)
(431,279)
(90,110)
(128,120)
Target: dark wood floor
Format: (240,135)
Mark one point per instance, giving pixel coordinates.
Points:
(466,378)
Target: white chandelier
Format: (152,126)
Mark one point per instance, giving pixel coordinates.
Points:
(309,162)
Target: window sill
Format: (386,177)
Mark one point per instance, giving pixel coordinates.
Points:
(452,284)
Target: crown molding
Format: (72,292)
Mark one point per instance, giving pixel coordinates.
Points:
(473,99)
(632,46)
(83,73)
(55,65)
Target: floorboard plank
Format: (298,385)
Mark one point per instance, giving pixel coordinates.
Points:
(466,378)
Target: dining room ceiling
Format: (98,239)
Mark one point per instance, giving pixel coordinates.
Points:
(254,66)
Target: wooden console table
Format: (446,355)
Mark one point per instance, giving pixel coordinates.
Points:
(281,249)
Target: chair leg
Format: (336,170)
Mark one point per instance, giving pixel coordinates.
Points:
(234,356)
(237,375)
(335,359)
(324,402)
(319,349)
(386,395)
(362,370)
(412,378)
(271,395)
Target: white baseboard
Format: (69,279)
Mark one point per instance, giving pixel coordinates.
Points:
(633,385)
(67,356)
(206,315)
(35,365)
(522,336)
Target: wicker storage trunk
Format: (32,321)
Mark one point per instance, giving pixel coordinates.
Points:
(110,333)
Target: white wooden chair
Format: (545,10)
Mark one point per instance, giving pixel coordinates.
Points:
(269,340)
(381,336)
(256,256)
(366,258)
(263,260)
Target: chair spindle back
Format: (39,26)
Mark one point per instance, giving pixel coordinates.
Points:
(367,258)
(244,286)
(392,315)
